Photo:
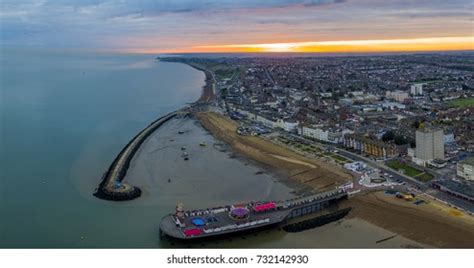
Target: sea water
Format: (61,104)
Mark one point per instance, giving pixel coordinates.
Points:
(63,118)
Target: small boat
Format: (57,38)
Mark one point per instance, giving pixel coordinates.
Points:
(202,144)
(180,132)
(185,156)
(183,148)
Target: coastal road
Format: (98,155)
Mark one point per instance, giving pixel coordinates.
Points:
(396,175)
(451,200)
(357,157)
(422,187)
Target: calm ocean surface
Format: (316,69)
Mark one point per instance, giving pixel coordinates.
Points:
(63,118)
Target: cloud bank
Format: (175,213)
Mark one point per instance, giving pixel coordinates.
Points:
(174,25)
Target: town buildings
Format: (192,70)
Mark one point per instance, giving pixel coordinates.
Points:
(429,145)
(416,89)
(397,95)
(465,169)
(371,147)
(331,98)
(323,133)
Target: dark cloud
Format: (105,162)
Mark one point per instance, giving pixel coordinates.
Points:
(435,14)
(320,3)
(156,8)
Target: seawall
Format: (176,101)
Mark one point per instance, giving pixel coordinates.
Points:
(112,186)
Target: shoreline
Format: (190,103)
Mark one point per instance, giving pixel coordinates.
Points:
(287,164)
(431,224)
(208,90)
(112,186)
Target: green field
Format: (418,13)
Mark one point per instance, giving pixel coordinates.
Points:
(462,102)
(224,73)
(409,171)
(338,157)
(424,177)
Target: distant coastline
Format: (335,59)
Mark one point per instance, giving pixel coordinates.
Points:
(307,54)
(208,90)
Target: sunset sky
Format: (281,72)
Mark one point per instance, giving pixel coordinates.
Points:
(239,26)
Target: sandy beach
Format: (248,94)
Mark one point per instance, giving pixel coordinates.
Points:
(207,93)
(432,224)
(217,175)
(314,173)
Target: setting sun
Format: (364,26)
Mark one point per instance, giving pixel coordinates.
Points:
(390,45)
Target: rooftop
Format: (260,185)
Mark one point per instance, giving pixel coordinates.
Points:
(469,161)
(465,188)
(429,130)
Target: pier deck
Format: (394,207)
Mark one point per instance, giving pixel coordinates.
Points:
(218,221)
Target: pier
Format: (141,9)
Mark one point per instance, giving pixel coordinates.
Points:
(112,186)
(311,204)
(243,217)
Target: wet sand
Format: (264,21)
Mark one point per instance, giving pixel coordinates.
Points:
(432,224)
(346,233)
(214,175)
(316,174)
(211,176)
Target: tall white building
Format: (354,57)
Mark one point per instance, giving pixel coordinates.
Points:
(416,89)
(429,145)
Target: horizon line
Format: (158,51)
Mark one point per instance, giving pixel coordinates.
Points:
(320,53)
(400,45)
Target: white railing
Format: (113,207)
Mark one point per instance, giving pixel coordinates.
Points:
(235,226)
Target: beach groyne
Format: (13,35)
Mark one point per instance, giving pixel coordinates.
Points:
(112,186)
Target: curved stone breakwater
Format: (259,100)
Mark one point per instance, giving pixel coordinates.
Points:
(112,187)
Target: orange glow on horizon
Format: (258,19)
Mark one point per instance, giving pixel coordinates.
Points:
(347,46)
